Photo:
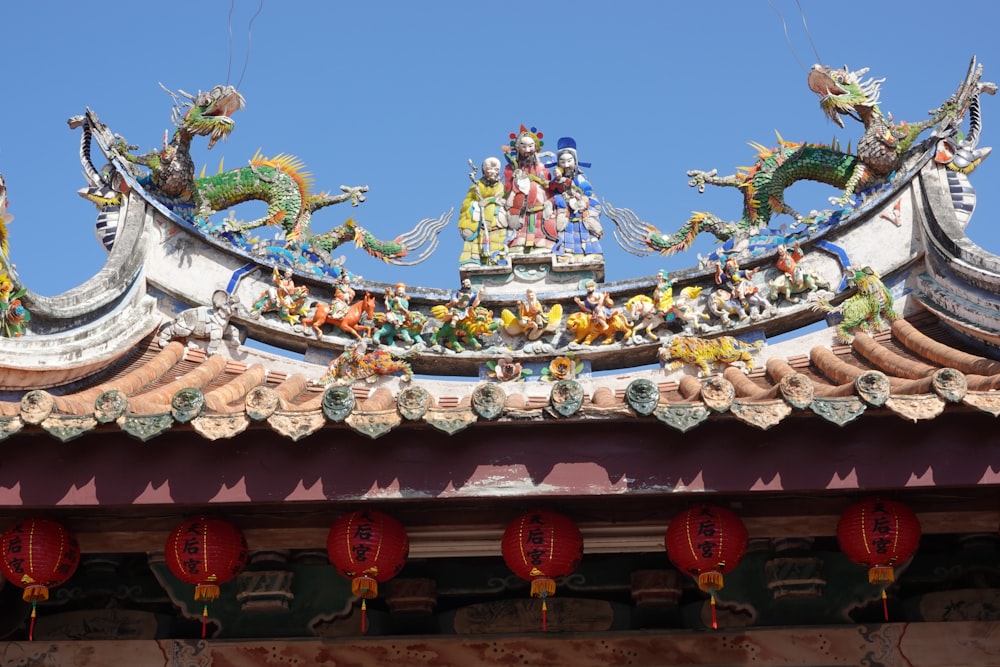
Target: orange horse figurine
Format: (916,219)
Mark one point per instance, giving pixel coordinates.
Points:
(350,322)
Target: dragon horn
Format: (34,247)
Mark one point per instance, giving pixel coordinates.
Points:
(178,94)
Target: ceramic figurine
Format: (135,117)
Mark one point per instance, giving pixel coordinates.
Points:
(482,222)
(526,183)
(577,211)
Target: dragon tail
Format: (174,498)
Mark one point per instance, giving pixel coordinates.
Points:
(417,244)
(387,251)
(683,238)
(328,241)
(641,238)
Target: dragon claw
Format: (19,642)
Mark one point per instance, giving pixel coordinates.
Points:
(355,193)
(700,178)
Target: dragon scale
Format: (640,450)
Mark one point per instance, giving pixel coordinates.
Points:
(268,181)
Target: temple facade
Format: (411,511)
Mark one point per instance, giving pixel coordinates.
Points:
(575,471)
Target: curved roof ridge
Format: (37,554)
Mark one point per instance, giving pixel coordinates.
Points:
(292,386)
(160,398)
(128,384)
(748,389)
(833,366)
(940,353)
(221,398)
(891,363)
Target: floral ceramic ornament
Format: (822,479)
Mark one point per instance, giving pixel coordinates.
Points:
(562,368)
(506,369)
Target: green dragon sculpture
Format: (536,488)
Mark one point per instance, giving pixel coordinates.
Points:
(281,182)
(880,152)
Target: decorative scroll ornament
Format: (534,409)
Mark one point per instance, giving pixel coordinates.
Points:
(539,546)
(950,384)
(566,397)
(682,417)
(206,552)
(840,410)
(67,427)
(488,400)
(642,396)
(707,542)
(9,426)
(367,547)
(261,403)
(718,393)
(36,406)
(879,534)
(38,554)
(873,387)
(187,404)
(110,405)
(413,403)
(374,424)
(338,402)
(797,389)
(146,427)
(762,414)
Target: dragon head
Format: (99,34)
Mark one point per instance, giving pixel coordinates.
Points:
(206,114)
(842,92)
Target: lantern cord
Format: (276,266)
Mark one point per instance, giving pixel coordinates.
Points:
(364,616)
(204,619)
(715,621)
(31,626)
(885,607)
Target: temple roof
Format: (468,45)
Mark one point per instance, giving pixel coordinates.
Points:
(917,371)
(795,367)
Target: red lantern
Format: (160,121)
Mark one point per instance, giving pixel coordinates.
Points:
(879,534)
(367,547)
(540,546)
(707,542)
(206,552)
(37,555)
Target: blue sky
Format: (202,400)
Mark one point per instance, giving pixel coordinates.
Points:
(399,95)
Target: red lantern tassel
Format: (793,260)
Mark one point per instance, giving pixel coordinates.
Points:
(543,587)
(367,589)
(710,582)
(33,594)
(882,575)
(204,619)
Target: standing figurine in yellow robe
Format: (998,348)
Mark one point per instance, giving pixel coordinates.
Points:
(482,221)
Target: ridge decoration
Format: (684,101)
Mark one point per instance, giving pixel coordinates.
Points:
(881,152)
(280,181)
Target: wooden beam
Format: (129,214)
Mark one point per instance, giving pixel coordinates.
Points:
(970,643)
(484,540)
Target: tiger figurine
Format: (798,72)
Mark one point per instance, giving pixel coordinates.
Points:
(707,352)
(356,363)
